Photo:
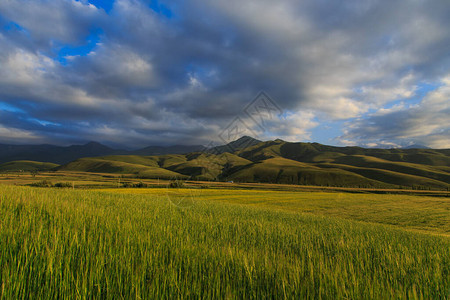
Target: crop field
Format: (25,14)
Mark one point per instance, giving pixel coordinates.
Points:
(420,213)
(221,243)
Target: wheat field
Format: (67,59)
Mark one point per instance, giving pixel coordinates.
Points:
(64,243)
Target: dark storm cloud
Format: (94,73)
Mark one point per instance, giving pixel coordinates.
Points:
(158,79)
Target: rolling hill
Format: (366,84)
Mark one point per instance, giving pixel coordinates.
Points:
(279,161)
(117,166)
(27,166)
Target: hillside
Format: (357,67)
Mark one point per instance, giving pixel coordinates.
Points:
(113,165)
(26,165)
(282,170)
(62,155)
(292,163)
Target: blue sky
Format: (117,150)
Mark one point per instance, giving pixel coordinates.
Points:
(134,73)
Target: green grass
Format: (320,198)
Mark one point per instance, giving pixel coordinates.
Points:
(120,165)
(418,213)
(91,244)
(132,159)
(209,166)
(26,165)
(282,170)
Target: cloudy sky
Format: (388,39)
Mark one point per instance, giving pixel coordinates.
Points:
(137,73)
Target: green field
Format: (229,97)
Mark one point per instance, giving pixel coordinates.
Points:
(221,243)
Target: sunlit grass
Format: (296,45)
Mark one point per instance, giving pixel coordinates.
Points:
(430,214)
(84,244)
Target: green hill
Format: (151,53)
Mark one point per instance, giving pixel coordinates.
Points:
(293,163)
(205,166)
(282,170)
(401,167)
(27,165)
(308,152)
(118,165)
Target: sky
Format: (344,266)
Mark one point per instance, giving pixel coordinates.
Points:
(130,73)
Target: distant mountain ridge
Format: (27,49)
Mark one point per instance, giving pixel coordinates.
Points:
(62,155)
(278,161)
(176,149)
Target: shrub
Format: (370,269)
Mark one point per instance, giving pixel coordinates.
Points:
(63,184)
(42,183)
(176,184)
(140,185)
(134,185)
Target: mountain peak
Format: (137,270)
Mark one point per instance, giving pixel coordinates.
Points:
(245,138)
(92,143)
(241,143)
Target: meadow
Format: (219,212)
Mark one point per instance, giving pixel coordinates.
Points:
(215,243)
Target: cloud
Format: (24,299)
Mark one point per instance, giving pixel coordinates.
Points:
(293,127)
(52,21)
(150,78)
(426,123)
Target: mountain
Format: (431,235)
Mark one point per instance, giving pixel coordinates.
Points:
(62,155)
(250,160)
(53,154)
(291,163)
(241,143)
(177,149)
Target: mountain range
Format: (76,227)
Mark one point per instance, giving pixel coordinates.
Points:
(62,155)
(251,160)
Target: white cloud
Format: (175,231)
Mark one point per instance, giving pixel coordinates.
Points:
(292,126)
(63,20)
(425,123)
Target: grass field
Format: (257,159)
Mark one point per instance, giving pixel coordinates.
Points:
(420,213)
(134,243)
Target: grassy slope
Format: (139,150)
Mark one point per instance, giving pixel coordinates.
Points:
(148,161)
(166,161)
(70,244)
(394,178)
(410,168)
(299,163)
(400,167)
(287,171)
(105,165)
(27,165)
(308,151)
(209,166)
